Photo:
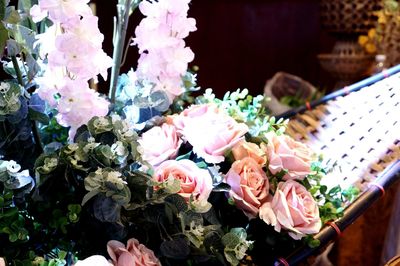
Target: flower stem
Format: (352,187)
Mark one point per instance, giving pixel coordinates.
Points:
(35,130)
(119,43)
(36,137)
(17,70)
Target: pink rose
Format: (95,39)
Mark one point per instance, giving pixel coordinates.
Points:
(194,181)
(192,111)
(249,185)
(244,149)
(133,254)
(160,144)
(92,260)
(210,131)
(292,208)
(284,153)
(2,262)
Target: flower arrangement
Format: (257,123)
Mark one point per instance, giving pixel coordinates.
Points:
(148,175)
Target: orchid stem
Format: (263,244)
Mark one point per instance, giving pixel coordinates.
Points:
(119,44)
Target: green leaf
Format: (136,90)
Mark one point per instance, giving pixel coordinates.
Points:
(62,254)
(184,156)
(24,5)
(12,16)
(33,66)
(202,165)
(323,189)
(3,37)
(13,49)
(230,240)
(11,212)
(89,195)
(334,191)
(24,36)
(3,5)
(38,116)
(176,249)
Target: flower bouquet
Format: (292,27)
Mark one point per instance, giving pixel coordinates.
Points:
(148,175)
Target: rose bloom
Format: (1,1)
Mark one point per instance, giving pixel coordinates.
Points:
(133,254)
(209,130)
(245,149)
(92,260)
(2,262)
(192,111)
(292,208)
(194,181)
(249,185)
(284,153)
(160,144)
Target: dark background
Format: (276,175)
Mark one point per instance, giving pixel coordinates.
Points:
(242,43)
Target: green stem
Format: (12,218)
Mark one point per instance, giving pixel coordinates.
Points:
(17,70)
(119,43)
(35,130)
(36,137)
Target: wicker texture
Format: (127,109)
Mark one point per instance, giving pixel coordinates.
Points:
(360,132)
(391,41)
(349,16)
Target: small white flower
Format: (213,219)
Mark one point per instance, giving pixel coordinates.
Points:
(101,122)
(13,167)
(118,149)
(90,146)
(115,178)
(4,87)
(241,248)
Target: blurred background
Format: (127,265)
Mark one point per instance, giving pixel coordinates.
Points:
(242,43)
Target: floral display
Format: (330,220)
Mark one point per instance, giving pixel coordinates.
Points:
(147,175)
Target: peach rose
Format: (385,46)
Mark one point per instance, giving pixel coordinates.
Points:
(292,208)
(160,144)
(244,149)
(284,153)
(194,181)
(92,260)
(133,254)
(211,133)
(249,185)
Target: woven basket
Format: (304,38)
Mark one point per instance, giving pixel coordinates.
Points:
(358,128)
(390,43)
(349,16)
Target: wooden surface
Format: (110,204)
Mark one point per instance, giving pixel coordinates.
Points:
(362,243)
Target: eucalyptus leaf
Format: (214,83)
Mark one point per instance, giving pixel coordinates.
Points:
(23,36)
(12,16)
(106,209)
(3,5)
(176,249)
(24,5)
(3,35)
(38,116)
(13,48)
(230,240)
(89,195)
(212,241)
(178,201)
(33,66)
